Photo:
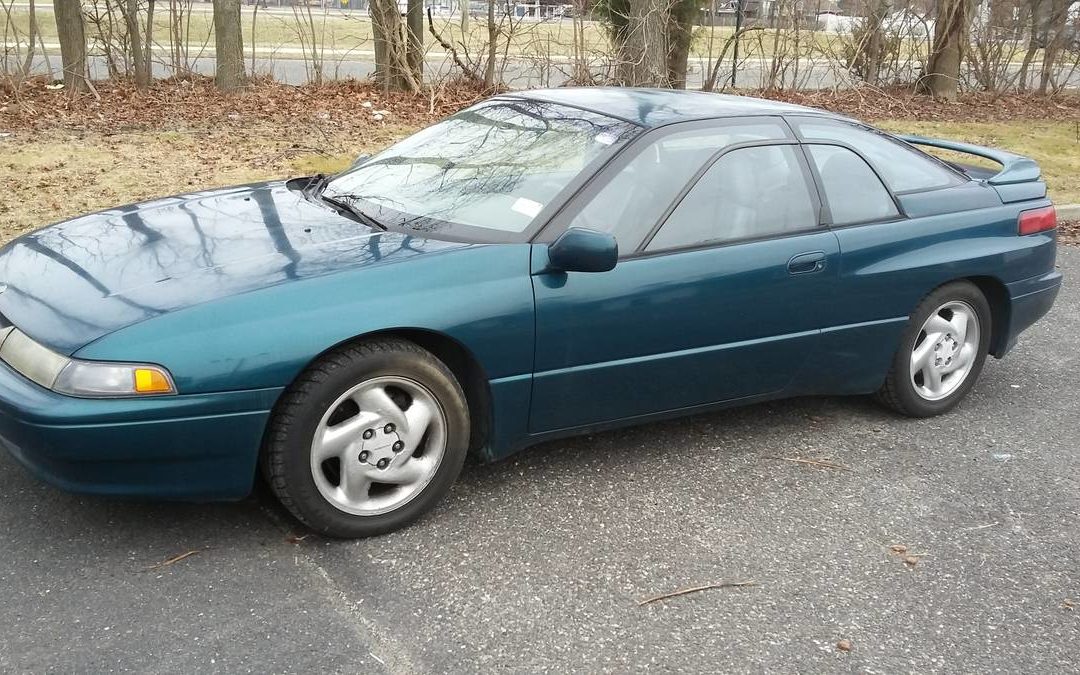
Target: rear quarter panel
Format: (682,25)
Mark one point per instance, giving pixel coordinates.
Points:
(888,268)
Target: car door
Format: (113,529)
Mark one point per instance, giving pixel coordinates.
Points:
(719,300)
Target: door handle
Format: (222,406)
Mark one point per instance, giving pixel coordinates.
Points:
(806,263)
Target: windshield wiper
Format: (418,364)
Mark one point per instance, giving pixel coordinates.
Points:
(314,189)
(344,208)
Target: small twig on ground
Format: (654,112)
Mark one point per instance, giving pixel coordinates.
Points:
(173,560)
(695,589)
(823,463)
(978,527)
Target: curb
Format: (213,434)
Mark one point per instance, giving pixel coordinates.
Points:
(1068,211)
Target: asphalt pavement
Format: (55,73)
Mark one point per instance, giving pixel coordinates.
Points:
(539,563)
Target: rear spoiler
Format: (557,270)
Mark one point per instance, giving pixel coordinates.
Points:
(1014,168)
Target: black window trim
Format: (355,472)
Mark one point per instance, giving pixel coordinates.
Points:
(591,185)
(692,183)
(901,213)
(794,120)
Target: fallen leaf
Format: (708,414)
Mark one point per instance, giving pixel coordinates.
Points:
(295,539)
(844,645)
(898,548)
(911,561)
(1068,604)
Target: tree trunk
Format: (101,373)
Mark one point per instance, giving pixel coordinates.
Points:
(148,43)
(130,10)
(391,63)
(72,35)
(647,45)
(415,26)
(493,46)
(942,76)
(680,35)
(228,45)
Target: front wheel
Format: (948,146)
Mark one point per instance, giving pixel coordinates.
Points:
(941,353)
(367,439)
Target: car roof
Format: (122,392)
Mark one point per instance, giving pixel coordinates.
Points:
(654,107)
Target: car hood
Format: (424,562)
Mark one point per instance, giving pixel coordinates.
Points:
(71,283)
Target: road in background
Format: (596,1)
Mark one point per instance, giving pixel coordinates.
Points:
(287,65)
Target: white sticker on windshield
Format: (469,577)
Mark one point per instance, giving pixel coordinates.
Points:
(527,206)
(606,138)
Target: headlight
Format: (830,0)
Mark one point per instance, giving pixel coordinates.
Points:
(81,378)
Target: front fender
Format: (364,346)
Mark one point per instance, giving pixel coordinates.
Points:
(481,296)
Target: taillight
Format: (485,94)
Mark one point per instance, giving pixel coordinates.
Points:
(1037,220)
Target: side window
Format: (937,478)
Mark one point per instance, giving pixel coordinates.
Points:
(855,193)
(631,203)
(903,168)
(747,193)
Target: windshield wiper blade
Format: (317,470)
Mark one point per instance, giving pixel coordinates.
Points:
(357,214)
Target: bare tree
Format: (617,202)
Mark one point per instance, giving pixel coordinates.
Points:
(1056,42)
(32,35)
(870,42)
(139,62)
(643,60)
(228,45)
(312,40)
(1035,21)
(414,24)
(942,76)
(179,32)
(493,45)
(680,34)
(391,50)
(72,35)
(996,42)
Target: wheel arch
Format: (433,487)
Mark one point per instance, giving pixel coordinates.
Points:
(457,357)
(997,296)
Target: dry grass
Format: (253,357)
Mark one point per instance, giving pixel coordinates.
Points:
(49,176)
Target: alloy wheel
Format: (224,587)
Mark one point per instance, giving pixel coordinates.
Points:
(945,350)
(378,445)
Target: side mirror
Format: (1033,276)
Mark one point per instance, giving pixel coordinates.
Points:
(582,250)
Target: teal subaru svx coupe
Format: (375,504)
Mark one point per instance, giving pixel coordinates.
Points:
(542,264)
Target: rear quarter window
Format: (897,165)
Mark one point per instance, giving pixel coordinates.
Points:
(903,168)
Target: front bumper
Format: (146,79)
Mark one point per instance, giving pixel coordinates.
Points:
(1029,301)
(198,446)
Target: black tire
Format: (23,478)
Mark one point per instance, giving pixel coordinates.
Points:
(286,449)
(898,392)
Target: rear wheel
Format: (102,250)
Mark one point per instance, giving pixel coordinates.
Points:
(941,353)
(368,439)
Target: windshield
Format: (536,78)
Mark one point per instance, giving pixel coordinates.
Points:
(493,166)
